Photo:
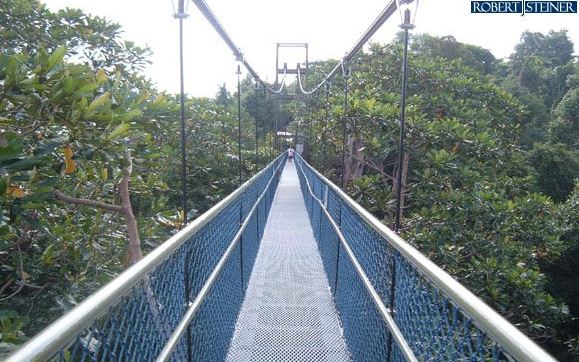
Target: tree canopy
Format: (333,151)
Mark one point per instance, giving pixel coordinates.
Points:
(494,214)
(76,115)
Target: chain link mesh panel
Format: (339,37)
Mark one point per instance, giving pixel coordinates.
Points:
(435,328)
(433,324)
(138,325)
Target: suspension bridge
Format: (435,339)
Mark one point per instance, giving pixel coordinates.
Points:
(286,268)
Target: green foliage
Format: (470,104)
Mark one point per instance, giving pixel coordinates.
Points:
(562,274)
(66,126)
(28,26)
(555,48)
(472,203)
(10,330)
(557,168)
(565,126)
(61,131)
(448,48)
(537,75)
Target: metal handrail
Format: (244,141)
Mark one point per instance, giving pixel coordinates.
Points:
(384,311)
(181,328)
(60,333)
(511,339)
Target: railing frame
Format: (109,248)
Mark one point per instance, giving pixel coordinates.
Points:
(512,340)
(383,310)
(64,330)
(181,328)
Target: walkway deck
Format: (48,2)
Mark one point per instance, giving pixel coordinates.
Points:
(288,313)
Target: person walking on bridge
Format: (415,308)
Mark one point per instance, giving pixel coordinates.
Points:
(290,153)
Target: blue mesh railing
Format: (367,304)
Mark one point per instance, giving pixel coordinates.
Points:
(200,274)
(394,303)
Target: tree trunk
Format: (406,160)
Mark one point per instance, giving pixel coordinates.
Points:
(134,250)
(354,162)
(358,167)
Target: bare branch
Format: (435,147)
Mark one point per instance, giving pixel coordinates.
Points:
(373,166)
(125,209)
(6,286)
(86,202)
(33,286)
(20,286)
(135,251)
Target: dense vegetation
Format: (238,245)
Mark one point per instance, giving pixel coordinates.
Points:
(89,152)
(73,101)
(491,166)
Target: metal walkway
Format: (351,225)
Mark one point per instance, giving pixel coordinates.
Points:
(288,313)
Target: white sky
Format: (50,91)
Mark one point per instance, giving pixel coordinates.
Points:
(331,27)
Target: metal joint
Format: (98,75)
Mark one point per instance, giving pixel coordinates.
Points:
(346,71)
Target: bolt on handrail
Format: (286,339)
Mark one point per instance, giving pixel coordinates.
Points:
(512,340)
(64,330)
(383,310)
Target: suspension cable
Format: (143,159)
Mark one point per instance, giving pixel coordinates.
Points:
(206,11)
(380,20)
(282,84)
(306,92)
(376,24)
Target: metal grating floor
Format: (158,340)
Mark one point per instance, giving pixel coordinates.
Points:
(288,313)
